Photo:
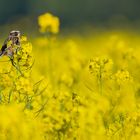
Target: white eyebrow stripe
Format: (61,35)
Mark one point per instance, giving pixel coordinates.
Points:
(15,31)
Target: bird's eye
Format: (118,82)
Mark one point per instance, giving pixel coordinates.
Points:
(16,33)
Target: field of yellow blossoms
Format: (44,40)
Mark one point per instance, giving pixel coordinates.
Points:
(71,87)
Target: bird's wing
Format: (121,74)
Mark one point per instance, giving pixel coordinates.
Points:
(4,47)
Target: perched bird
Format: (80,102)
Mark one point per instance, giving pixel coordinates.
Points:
(8,48)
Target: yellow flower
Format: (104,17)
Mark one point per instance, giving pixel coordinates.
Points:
(23,38)
(9,43)
(101,67)
(48,23)
(123,76)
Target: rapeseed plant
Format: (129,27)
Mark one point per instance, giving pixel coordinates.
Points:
(48,23)
(66,91)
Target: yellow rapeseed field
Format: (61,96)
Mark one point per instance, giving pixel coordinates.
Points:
(71,87)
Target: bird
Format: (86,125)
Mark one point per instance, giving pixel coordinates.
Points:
(8,45)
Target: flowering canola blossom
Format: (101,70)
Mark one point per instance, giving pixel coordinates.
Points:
(71,89)
(48,23)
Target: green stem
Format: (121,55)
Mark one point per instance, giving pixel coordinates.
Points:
(100,81)
(50,67)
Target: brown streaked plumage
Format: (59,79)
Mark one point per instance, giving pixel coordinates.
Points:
(14,37)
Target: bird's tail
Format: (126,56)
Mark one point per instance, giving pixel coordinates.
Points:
(1,54)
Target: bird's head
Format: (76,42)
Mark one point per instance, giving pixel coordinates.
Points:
(14,34)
